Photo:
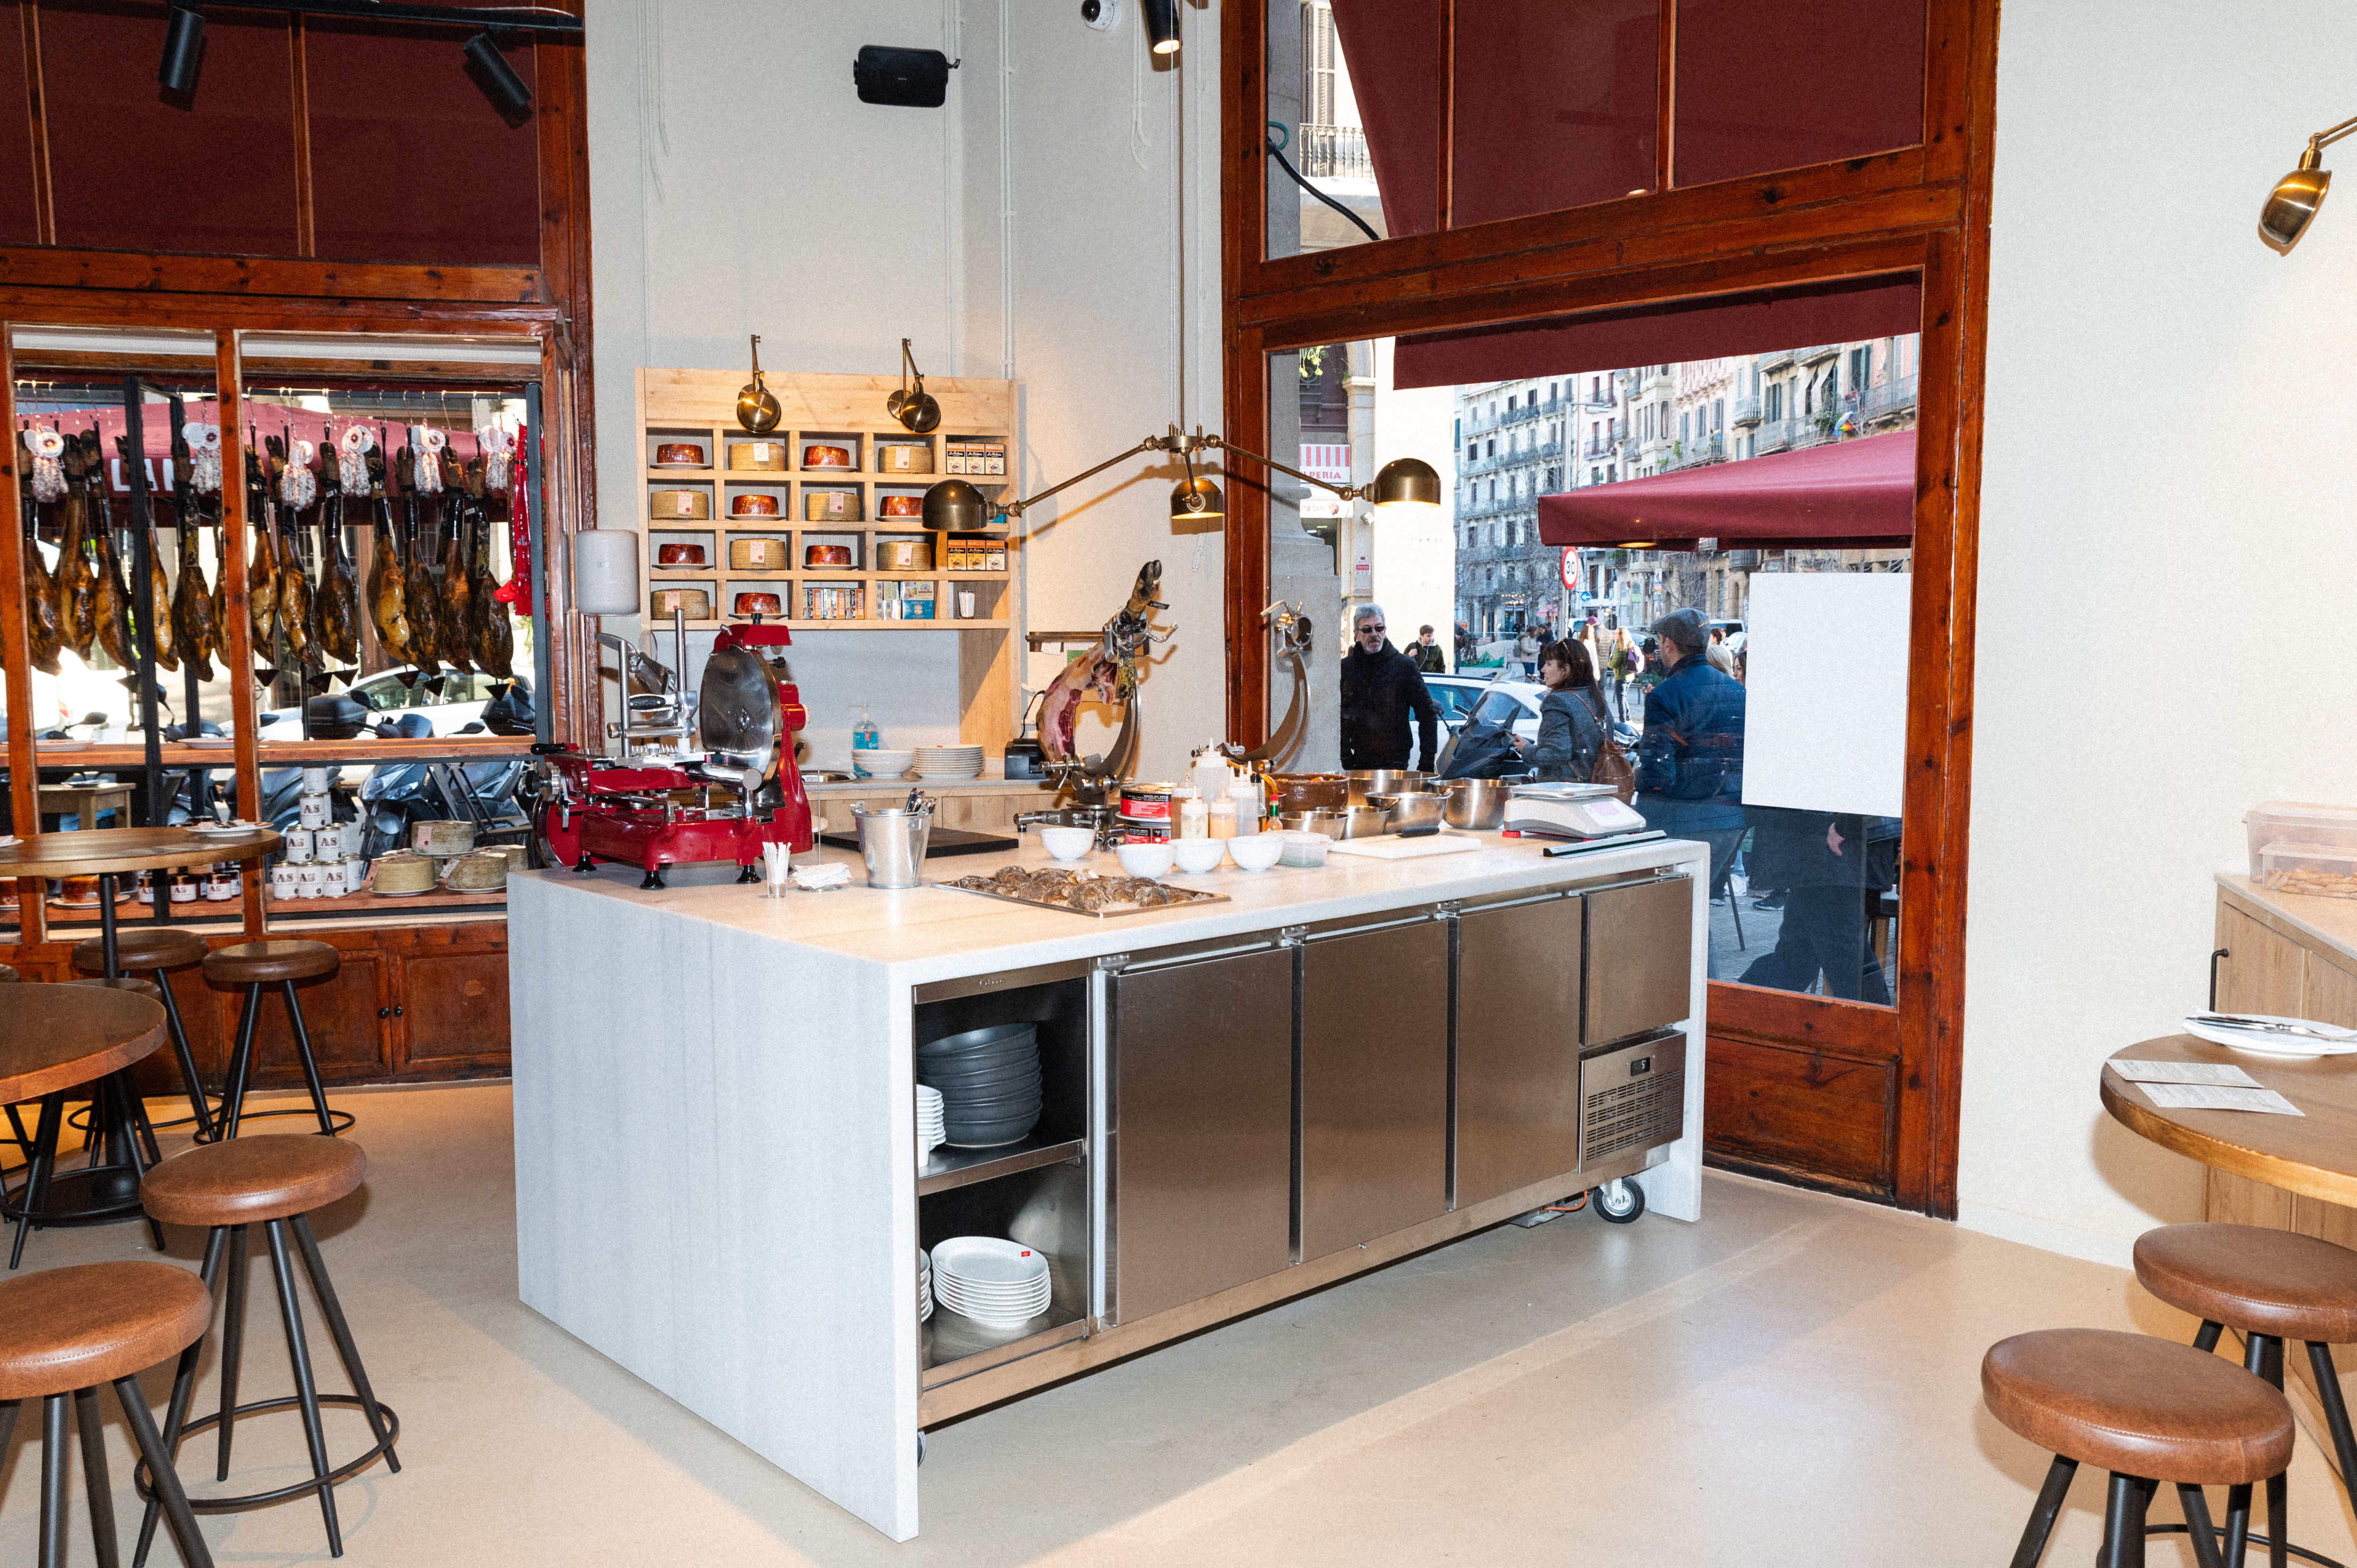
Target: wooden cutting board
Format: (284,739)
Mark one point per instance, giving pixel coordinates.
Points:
(1392,847)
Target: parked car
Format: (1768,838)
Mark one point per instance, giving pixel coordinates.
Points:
(1734,633)
(1459,697)
(457,705)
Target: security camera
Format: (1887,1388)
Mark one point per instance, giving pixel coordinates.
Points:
(1102,15)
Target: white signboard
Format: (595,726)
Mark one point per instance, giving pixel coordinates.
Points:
(1826,708)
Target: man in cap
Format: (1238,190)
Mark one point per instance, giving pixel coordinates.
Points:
(1690,760)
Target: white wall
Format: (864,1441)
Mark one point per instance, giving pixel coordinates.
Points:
(1415,554)
(1027,229)
(2165,563)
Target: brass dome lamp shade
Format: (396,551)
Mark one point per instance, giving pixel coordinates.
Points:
(919,412)
(2294,200)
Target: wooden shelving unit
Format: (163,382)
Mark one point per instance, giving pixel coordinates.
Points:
(699,407)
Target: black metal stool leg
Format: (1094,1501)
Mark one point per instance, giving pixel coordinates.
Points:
(345,1351)
(35,1189)
(2122,1524)
(2238,1523)
(233,1347)
(2206,1338)
(306,1391)
(8,1422)
(184,1388)
(53,1481)
(2336,1415)
(142,1421)
(126,1119)
(310,1065)
(2041,1516)
(241,1061)
(2196,1504)
(94,1476)
(189,1079)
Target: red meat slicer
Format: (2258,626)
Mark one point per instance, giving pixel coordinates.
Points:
(657,813)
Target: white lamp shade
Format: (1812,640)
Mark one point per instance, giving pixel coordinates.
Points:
(606,571)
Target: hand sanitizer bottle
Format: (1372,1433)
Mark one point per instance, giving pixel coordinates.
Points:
(864,736)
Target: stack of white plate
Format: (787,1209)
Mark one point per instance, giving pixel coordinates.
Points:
(924,1285)
(998,1283)
(880,764)
(930,1131)
(947,763)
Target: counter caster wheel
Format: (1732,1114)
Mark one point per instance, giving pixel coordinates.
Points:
(1620,1202)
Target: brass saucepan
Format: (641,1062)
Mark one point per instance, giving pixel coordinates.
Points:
(757,407)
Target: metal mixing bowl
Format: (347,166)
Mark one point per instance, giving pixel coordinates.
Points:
(1367,782)
(1478,803)
(1410,811)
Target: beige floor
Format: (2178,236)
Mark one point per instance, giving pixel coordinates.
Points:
(1793,1380)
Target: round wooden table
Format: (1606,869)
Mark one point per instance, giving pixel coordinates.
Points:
(2315,1154)
(53,1037)
(106,853)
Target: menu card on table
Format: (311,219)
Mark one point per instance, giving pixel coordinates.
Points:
(2203,1086)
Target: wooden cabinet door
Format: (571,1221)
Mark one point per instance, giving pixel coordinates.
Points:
(2328,992)
(341,1012)
(453,1017)
(2262,972)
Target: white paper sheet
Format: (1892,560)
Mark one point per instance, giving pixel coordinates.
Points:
(2225,1074)
(2200,1097)
(1826,698)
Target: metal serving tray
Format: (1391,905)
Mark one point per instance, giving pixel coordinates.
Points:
(1194,900)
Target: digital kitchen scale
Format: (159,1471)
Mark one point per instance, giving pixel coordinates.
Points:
(1569,811)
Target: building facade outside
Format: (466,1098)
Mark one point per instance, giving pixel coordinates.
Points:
(1518,440)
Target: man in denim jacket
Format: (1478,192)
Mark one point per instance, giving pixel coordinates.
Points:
(1690,760)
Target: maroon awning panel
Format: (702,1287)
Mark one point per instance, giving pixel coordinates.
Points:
(1849,495)
(1662,334)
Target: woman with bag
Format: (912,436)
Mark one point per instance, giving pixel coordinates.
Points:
(1626,663)
(1574,730)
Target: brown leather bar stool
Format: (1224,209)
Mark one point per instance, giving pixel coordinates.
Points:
(2149,1410)
(2268,1286)
(65,1331)
(156,951)
(274,1183)
(254,965)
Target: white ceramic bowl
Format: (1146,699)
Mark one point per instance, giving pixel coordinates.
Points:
(1196,857)
(1067,844)
(1145,859)
(882,764)
(1256,851)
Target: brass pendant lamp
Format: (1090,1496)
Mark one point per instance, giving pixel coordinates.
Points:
(2294,200)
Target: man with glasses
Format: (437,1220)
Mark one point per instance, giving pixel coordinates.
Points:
(1381,687)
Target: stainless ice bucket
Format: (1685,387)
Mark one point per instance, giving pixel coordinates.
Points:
(892,842)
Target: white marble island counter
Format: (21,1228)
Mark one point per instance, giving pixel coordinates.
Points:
(718,1181)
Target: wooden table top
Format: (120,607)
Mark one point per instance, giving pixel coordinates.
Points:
(2315,1154)
(94,850)
(54,1037)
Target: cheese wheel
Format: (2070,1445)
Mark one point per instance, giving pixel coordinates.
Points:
(758,554)
(830,506)
(900,506)
(757,457)
(679,554)
(696,602)
(679,455)
(752,505)
(826,555)
(904,459)
(826,457)
(672,506)
(904,554)
(757,603)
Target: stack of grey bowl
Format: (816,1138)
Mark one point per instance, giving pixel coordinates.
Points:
(989,1080)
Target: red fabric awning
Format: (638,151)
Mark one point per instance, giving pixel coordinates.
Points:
(1849,495)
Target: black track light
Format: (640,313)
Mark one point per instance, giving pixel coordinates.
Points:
(184,46)
(497,77)
(1162,25)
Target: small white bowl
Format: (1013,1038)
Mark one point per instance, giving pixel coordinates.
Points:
(1256,851)
(1196,857)
(1145,859)
(1067,844)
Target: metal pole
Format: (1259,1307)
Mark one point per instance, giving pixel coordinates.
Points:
(543,629)
(134,474)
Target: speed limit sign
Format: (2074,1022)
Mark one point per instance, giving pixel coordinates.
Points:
(1571,567)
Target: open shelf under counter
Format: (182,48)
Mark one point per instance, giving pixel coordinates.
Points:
(947,1168)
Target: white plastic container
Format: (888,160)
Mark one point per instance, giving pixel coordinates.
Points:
(1250,808)
(1193,818)
(2298,822)
(1304,849)
(2325,870)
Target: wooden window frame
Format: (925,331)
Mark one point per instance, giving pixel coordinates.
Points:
(1919,212)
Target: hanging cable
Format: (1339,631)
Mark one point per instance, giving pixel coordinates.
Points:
(1278,152)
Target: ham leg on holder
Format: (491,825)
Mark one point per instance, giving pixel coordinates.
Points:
(1107,673)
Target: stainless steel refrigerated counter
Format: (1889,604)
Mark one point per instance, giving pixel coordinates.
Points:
(717,1177)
